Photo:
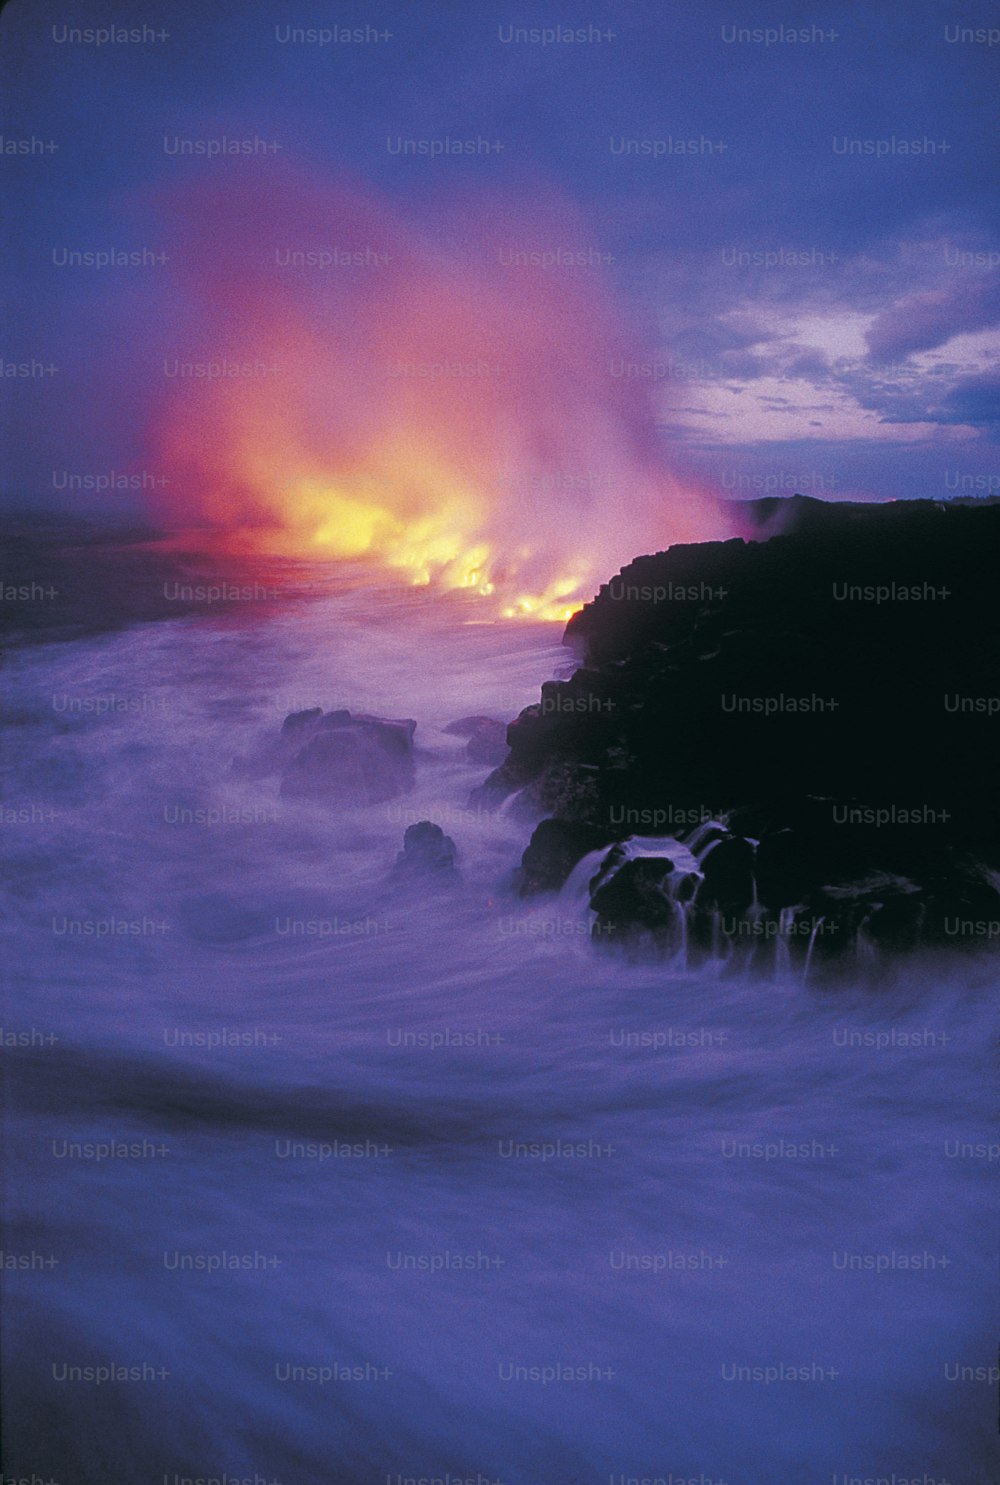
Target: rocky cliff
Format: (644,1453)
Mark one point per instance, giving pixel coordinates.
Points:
(829,696)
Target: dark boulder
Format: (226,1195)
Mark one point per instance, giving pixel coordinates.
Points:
(296,724)
(554,849)
(788,869)
(338,757)
(352,760)
(487,738)
(427,854)
(633,898)
(728,870)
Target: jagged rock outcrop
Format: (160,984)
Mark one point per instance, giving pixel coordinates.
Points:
(831,695)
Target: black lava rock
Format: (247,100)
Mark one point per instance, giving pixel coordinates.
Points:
(553,851)
(833,692)
(427,853)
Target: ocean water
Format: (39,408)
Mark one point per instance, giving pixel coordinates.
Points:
(313,1180)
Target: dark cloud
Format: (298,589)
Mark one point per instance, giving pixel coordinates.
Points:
(975,401)
(930,317)
(811,365)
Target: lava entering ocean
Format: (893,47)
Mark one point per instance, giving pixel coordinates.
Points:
(438,402)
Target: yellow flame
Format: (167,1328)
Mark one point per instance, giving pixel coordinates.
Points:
(401,506)
(351,517)
(548,605)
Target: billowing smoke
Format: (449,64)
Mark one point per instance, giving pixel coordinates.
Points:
(435,399)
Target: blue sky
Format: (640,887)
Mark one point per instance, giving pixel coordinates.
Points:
(817,303)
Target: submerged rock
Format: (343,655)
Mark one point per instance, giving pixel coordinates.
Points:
(339,757)
(350,758)
(427,854)
(487,738)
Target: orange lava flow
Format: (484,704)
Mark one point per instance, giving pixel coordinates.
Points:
(430,407)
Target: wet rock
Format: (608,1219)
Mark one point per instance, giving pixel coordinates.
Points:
(632,898)
(342,757)
(895,923)
(728,870)
(962,913)
(487,738)
(297,723)
(831,690)
(427,854)
(554,849)
(788,869)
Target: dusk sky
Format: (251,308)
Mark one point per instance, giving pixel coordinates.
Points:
(860,359)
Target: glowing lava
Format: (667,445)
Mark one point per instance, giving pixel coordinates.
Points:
(355,390)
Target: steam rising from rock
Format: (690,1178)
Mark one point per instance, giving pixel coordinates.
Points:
(436,401)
